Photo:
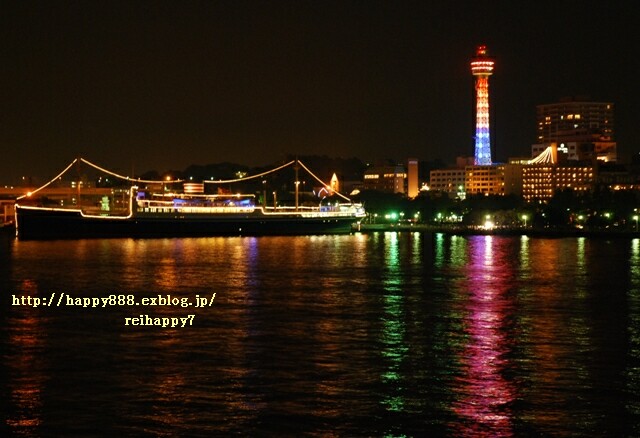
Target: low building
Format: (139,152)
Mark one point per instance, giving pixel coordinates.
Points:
(541,181)
(487,180)
(389,179)
(449,181)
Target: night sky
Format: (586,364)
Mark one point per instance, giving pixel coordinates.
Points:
(163,84)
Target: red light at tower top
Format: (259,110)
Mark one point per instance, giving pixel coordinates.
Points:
(482,64)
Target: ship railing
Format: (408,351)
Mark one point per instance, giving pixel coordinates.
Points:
(340,210)
(195,209)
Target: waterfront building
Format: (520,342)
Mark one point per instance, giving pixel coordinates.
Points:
(540,181)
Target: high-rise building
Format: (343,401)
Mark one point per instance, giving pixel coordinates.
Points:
(482,68)
(578,127)
(573,118)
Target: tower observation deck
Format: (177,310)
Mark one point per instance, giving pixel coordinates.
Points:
(482,68)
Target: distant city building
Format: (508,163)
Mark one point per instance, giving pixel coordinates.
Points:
(542,181)
(605,151)
(537,182)
(513,179)
(482,68)
(389,179)
(449,181)
(618,176)
(571,118)
(575,149)
(412,178)
(573,137)
(580,128)
(487,180)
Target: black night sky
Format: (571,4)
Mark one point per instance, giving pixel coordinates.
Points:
(164,84)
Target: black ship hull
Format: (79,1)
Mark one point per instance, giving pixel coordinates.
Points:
(37,223)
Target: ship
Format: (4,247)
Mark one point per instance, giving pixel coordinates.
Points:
(150,208)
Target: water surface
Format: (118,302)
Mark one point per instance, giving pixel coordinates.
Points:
(383,334)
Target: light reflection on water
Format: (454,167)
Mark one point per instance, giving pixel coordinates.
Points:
(632,369)
(384,334)
(26,388)
(393,332)
(484,395)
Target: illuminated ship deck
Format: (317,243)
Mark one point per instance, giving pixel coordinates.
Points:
(148,214)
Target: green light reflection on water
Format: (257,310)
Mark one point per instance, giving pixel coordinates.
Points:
(525,263)
(458,251)
(439,249)
(633,367)
(581,268)
(393,334)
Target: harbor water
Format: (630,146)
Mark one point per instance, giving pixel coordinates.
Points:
(381,334)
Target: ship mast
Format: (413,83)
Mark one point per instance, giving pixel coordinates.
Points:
(78,182)
(297,182)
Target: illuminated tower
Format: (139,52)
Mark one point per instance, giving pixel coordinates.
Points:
(482,68)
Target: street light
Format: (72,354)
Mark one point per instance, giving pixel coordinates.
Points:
(524,218)
(488,223)
(635,218)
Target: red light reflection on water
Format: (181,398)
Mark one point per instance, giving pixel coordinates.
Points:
(25,386)
(484,393)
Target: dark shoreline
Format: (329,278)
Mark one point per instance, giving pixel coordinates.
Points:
(9,230)
(515,231)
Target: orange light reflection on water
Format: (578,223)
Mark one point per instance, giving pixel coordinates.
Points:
(26,369)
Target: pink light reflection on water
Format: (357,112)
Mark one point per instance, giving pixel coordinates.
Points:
(484,393)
